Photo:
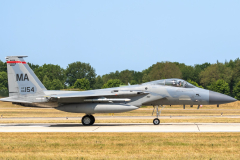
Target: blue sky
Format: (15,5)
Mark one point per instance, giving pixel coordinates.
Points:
(118,35)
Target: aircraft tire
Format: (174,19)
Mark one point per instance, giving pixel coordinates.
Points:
(92,119)
(156,121)
(87,120)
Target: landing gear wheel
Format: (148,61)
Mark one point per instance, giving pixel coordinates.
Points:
(93,119)
(156,121)
(88,120)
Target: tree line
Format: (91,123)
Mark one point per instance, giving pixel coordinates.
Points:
(219,77)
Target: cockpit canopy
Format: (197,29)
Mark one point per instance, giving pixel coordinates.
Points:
(173,82)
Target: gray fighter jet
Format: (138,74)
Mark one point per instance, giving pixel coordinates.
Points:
(27,90)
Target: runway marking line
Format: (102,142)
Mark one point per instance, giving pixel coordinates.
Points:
(96,129)
(197,127)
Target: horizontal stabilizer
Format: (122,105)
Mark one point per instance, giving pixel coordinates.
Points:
(13,100)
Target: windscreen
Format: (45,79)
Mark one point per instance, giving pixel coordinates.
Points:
(189,85)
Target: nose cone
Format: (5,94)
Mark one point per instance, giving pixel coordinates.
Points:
(218,98)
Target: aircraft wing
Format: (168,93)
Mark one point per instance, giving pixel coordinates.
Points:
(99,93)
(83,96)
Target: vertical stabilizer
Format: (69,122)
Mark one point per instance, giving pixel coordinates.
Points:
(22,80)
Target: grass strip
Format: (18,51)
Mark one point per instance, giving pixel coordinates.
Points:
(119,145)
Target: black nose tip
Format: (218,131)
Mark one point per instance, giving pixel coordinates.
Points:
(218,98)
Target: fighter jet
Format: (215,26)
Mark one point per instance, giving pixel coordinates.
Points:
(27,90)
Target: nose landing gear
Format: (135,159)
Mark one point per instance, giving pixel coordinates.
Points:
(88,120)
(156,121)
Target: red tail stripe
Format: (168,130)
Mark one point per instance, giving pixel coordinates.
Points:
(23,62)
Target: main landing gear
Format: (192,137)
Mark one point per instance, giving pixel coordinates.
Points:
(88,120)
(156,121)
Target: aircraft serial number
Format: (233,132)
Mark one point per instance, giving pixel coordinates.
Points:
(27,89)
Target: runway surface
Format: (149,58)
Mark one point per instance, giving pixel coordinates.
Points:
(118,117)
(122,127)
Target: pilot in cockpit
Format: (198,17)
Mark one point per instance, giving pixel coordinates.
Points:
(179,84)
